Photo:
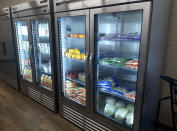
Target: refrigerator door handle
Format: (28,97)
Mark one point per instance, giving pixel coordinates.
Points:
(90,63)
(31,52)
(87,63)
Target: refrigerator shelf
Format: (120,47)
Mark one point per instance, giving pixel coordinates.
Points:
(74,100)
(118,67)
(46,88)
(117,39)
(117,95)
(26,51)
(77,81)
(111,118)
(74,59)
(28,66)
(27,79)
(76,38)
(49,74)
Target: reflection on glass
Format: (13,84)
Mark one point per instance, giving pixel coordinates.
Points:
(41,44)
(73,56)
(117,43)
(24,49)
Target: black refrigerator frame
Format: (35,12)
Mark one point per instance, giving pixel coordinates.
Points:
(151,18)
(37,10)
(8,63)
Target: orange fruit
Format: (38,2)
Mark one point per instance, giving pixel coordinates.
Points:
(75,36)
(82,36)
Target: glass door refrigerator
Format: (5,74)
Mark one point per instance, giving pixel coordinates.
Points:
(122,66)
(73,49)
(34,38)
(24,49)
(8,64)
(119,46)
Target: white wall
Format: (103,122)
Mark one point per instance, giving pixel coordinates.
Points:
(170,65)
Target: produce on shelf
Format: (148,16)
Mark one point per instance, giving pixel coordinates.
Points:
(122,36)
(72,75)
(130,118)
(46,81)
(108,82)
(81,76)
(120,114)
(133,64)
(120,104)
(130,107)
(76,54)
(27,73)
(113,61)
(119,110)
(82,36)
(75,93)
(111,85)
(119,90)
(110,107)
(76,76)
(131,95)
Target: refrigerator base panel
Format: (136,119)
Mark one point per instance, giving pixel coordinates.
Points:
(39,97)
(10,81)
(83,120)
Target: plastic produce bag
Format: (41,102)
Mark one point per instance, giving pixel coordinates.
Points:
(130,107)
(110,107)
(129,119)
(120,104)
(120,114)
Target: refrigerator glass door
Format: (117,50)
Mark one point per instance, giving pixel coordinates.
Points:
(24,49)
(72,32)
(117,44)
(41,44)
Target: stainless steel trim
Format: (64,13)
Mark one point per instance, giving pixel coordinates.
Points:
(66,5)
(5,13)
(35,7)
(146,7)
(29,5)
